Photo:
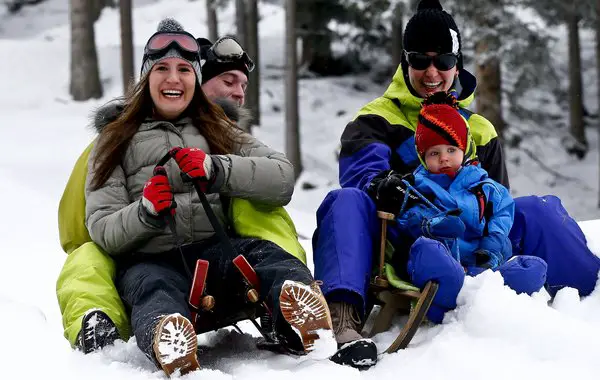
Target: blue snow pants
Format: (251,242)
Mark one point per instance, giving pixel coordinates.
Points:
(430,260)
(543,228)
(348,229)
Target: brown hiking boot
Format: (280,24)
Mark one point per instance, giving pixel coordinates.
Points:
(175,345)
(346,322)
(353,349)
(305,309)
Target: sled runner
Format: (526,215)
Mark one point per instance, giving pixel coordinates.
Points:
(393,300)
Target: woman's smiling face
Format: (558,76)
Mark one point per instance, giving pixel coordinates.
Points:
(431,80)
(172,84)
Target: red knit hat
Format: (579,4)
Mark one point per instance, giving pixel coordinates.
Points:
(441,123)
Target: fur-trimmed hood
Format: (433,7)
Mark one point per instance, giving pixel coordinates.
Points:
(110,111)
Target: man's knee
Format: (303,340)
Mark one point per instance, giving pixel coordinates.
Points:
(540,206)
(346,196)
(86,263)
(344,216)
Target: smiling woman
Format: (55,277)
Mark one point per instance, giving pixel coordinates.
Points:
(431,72)
(172,84)
(133,209)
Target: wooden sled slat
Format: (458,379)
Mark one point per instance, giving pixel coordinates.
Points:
(415,318)
(198,300)
(391,301)
(246,270)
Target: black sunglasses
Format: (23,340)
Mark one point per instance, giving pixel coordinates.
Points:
(421,61)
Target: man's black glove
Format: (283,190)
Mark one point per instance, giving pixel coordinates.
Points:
(388,191)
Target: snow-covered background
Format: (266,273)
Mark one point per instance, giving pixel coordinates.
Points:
(493,334)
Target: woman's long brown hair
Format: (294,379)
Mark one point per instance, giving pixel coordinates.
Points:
(211,121)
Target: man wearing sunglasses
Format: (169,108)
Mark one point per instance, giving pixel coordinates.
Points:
(380,141)
(85,289)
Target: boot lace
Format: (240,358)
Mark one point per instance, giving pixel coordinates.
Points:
(349,318)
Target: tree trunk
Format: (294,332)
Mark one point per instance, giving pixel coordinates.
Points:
(292,135)
(598,79)
(240,21)
(316,49)
(488,73)
(253,93)
(313,19)
(96,7)
(575,85)
(85,76)
(212,21)
(397,28)
(126,44)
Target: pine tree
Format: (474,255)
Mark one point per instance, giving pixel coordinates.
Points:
(571,13)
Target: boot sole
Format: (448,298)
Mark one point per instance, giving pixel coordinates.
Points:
(175,345)
(306,311)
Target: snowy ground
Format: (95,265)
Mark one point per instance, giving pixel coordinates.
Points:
(493,334)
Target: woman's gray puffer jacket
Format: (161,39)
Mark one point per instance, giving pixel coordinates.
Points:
(255,172)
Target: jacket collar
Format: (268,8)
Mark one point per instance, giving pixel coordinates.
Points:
(466,177)
(175,125)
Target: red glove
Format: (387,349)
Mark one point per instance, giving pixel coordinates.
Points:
(194,163)
(158,196)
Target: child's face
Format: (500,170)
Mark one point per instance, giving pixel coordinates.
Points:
(444,159)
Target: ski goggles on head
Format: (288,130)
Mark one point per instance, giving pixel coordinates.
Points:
(421,61)
(162,41)
(227,49)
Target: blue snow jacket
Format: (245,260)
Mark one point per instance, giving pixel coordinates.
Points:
(487,210)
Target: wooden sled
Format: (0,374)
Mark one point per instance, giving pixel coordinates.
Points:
(205,316)
(393,300)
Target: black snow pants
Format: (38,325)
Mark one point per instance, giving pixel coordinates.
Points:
(154,285)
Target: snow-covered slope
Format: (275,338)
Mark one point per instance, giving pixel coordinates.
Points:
(493,334)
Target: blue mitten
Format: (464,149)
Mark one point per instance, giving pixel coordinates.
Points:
(524,274)
(444,226)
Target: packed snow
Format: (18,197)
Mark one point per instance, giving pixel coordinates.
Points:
(493,334)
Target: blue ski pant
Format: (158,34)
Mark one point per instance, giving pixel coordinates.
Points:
(543,228)
(430,260)
(348,230)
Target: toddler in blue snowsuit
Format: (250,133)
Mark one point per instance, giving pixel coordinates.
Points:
(458,217)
